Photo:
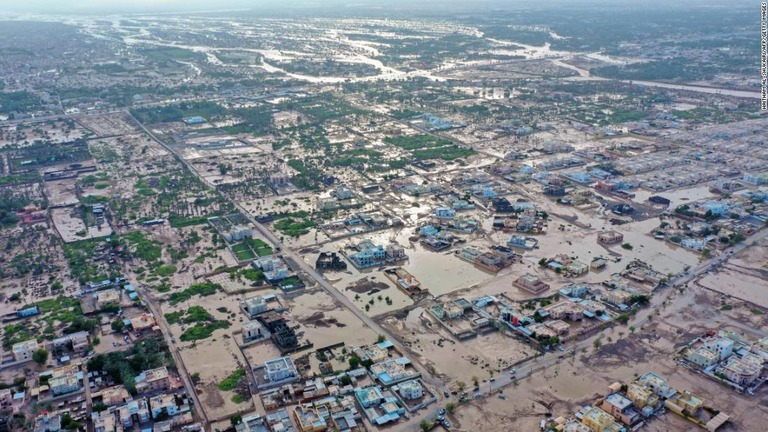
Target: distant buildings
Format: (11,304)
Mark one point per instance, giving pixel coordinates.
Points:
(445,213)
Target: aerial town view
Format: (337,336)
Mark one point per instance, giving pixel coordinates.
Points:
(323,215)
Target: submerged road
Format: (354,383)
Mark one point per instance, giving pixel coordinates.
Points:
(427,377)
(505,378)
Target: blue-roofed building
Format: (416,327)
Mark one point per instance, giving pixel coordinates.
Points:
(28,312)
(428,231)
(194,120)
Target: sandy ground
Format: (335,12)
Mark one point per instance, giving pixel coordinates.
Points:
(454,360)
(61,192)
(335,325)
(744,276)
(68,223)
(213,358)
(577,381)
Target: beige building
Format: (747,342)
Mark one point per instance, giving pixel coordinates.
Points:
(153,379)
(641,396)
(703,357)
(144,321)
(23,351)
(600,421)
(610,237)
(107,297)
(531,284)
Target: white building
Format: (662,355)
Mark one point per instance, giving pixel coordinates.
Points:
(722,346)
(253,330)
(254,306)
(411,390)
(280,369)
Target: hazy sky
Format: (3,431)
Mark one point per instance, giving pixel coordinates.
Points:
(105,6)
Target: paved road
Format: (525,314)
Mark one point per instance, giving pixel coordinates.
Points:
(505,378)
(307,269)
(156,310)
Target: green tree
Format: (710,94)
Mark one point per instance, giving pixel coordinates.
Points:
(425,426)
(354,362)
(40,356)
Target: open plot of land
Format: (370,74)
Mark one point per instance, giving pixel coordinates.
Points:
(451,359)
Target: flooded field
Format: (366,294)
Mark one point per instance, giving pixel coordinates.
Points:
(456,360)
(744,276)
(563,388)
(324,322)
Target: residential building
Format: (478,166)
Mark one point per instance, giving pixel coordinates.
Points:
(395,252)
(142,322)
(641,396)
(308,419)
(372,353)
(702,356)
(115,395)
(577,268)
(153,379)
(620,408)
(135,411)
(105,421)
(252,423)
(560,327)
(428,231)
(254,306)
(64,382)
(392,371)
(280,369)
(743,370)
(369,255)
(411,390)
(610,237)
(107,297)
(48,422)
(722,346)
(23,351)
(600,421)
(531,284)
(274,268)
(169,404)
(685,403)
(445,213)
(330,261)
(253,330)
(657,384)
